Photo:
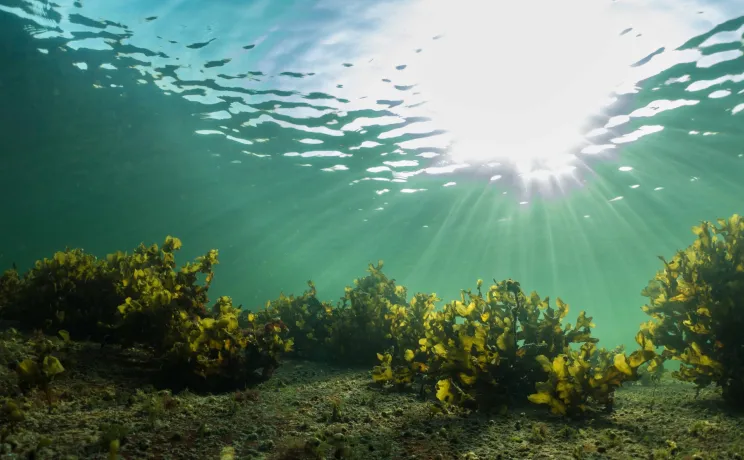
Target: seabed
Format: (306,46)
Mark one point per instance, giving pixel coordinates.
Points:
(104,406)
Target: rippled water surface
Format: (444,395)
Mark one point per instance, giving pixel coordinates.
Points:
(562,143)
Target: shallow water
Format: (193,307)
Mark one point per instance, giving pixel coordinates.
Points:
(564,144)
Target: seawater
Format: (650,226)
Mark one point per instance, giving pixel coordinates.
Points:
(562,144)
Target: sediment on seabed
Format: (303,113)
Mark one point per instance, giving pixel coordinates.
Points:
(105,406)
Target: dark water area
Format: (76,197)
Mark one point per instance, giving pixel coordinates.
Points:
(305,140)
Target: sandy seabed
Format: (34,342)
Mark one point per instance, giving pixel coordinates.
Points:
(314,411)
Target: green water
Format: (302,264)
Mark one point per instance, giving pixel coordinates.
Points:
(307,139)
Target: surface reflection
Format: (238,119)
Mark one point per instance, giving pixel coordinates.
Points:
(396,91)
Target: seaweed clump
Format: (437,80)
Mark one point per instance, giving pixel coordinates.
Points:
(494,348)
(577,376)
(364,322)
(488,349)
(486,344)
(71,290)
(696,302)
(145,299)
(311,321)
(353,330)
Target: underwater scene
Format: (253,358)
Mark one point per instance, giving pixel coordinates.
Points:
(372,229)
